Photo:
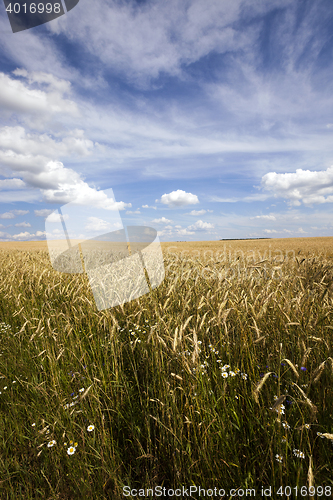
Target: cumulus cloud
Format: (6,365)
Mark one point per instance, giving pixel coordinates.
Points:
(44,212)
(303,186)
(183,232)
(266,217)
(20,212)
(17,96)
(12,184)
(133,212)
(147,206)
(269,231)
(7,215)
(201,226)
(4,235)
(197,212)
(179,198)
(23,224)
(56,217)
(162,220)
(96,224)
(23,236)
(20,142)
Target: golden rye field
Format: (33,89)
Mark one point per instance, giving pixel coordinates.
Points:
(301,246)
(222,377)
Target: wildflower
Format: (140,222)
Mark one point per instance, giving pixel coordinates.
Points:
(33,425)
(5,387)
(275,397)
(237,370)
(232,374)
(320,434)
(303,368)
(278,458)
(244,376)
(51,443)
(81,390)
(286,425)
(90,428)
(236,397)
(299,453)
(71,450)
(307,426)
(219,361)
(283,440)
(199,342)
(225,374)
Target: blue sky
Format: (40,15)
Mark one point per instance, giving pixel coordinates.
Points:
(208,119)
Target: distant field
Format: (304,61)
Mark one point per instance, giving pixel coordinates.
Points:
(206,249)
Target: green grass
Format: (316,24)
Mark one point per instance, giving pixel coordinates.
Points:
(148,376)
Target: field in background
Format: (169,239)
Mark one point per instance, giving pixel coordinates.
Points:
(221,377)
(301,246)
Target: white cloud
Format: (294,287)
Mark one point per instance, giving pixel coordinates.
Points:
(247,199)
(309,187)
(200,225)
(183,232)
(147,206)
(133,212)
(4,235)
(7,215)
(179,198)
(16,96)
(20,212)
(30,145)
(12,184)
(96,224)
(23,236)
(197,212)
(269,231)
(23,224)
(44,212)
(55,217)
(266,217)
(162,220)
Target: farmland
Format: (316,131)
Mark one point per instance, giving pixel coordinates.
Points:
(221,377)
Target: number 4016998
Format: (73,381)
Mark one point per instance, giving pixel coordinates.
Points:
(34,8)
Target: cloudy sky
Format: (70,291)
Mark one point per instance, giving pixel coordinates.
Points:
(208,119)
